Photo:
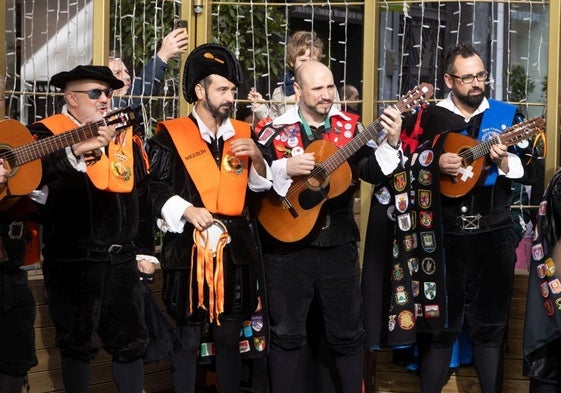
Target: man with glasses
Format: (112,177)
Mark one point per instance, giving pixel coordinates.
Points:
(98,233)
(478,238)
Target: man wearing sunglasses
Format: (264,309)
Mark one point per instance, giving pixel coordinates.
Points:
(97,225)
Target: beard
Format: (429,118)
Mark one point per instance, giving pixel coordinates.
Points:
(471,100)
(220,112)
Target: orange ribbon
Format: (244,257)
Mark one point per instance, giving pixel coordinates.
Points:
(210,272)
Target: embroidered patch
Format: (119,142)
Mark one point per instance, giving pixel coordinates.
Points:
(425,219)
(425,198)
(383,196)
(555,286)
(391,322)
(432,311)
(428,241)
(401,202)
(257,322)
(428,266)
(401,296)
(429,290)
(406,320)
(549,307)
(404,222)
(544,289)
(244,346)
(399,181)
(397,273)
(537,252)
(541,269)
(549,267)
(408,243)
(413,264)
(207,349)
(425,177)
(267,133)
(426,157)
(259,343)
(233,164)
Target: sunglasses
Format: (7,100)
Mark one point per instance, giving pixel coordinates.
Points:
(94,94)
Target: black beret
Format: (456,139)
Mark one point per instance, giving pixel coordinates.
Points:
(98,73)
(206,60)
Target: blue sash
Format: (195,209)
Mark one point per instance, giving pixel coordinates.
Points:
(496,119)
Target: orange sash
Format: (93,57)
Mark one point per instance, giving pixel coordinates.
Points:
(222,189)
(114,171)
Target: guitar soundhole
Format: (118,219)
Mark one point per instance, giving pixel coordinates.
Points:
(316,192)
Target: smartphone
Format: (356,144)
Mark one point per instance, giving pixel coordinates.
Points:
(179,24)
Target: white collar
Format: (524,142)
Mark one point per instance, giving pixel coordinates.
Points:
(292,116)
(448,103)
(225,131)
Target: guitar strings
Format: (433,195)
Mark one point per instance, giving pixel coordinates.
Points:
(34,150)
(410,100)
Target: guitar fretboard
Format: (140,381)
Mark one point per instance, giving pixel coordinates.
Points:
(35,150)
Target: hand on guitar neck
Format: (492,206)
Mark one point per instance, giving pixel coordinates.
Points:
(105,135)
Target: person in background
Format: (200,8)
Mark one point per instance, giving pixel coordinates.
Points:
(135,93)
(174,44)
(205,171)
(324,263)
(17,306)
(302,46)
(349,93)
(98,234)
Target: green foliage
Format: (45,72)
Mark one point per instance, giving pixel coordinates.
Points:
(520,85)
(254,34)
(137,29)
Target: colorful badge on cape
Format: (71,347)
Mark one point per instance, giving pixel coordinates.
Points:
(425,177)
(426,158)
(383,195)
(401,202)
(425,198)
(399,181)
(406,320)
(428,242)
(401,297)
(432,311)
(555,286)
(429,290)
(397,273)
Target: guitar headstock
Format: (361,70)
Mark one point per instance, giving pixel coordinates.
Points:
(521,131)
(120,118)
(415,97)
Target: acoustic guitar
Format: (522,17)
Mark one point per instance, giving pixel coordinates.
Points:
(21,154)
(293,217)
(473,153)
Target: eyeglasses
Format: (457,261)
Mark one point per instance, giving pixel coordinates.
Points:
(467,79)
(94,94)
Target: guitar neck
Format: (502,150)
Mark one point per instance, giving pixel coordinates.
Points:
(38,149)
(479,150)
(333,162)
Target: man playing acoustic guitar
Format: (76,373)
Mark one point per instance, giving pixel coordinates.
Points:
(98,233)
(478,238)
(321,261)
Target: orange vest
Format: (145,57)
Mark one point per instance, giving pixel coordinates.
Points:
(222,189)
(114,171)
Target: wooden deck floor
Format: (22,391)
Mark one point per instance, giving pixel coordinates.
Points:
(388,377)
(46,376)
